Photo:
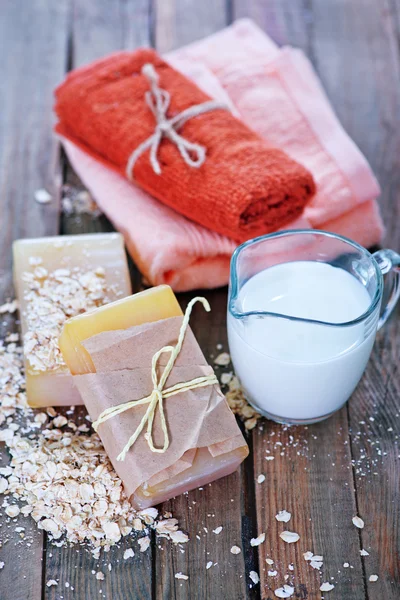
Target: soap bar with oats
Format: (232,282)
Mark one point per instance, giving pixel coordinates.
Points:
(57,278)
(115,367)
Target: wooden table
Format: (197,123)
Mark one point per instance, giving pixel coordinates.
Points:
(323,476)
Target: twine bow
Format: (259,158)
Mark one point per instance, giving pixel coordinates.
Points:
(157,396)
(158,100)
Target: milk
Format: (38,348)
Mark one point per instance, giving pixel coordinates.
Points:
(299,371)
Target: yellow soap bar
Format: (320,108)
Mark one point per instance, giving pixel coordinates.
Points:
(151,305)
(57,278)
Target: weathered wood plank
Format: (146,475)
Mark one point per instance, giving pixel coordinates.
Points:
(99,28)
(310,476)
(179,22)
(366,94)
(353,48)
(30,67)
(225,501)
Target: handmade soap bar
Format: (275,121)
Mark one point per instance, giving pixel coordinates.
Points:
(204,440)
(145,307)
(56,278)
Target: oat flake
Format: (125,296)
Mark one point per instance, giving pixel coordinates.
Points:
(358,522)
(181,576)
(254,577)
(284,516)
(235,550)
(289,537)
(326,587)
(373,578)
(258,540)
(284,592)
(217,530)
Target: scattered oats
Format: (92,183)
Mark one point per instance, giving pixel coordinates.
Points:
(3,485)
(222,360)
(308,555)
(181,576)
(283,515)
(1,565)
(269,561)
(12,511)
(291,567)
(13,337)
(9,307)
(284,592)
(217,530)
(100,576)
(209,564)
(258,540)
(41,418)
(239,405)
(358,522)
(148,515)
(51,299)
(316,564)
(226,378)
(75,202)
(235,550)
(289,536)
(6,435)
(60,421)
(66,584)
(178,537)
(346,565)
(270,458)
(272,573)
(51,582)
(364,552)
(373,578)
(42,196)
(129,553)
(254,577)
(144,543)
(326,587)
(261,479)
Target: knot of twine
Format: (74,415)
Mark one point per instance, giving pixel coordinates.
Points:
(157,396)
(158,100)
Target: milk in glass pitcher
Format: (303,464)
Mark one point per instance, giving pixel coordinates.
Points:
(303,310)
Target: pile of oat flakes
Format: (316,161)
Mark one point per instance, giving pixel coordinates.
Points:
(60,475)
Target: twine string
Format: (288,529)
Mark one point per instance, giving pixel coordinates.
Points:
(156,399)
(158,100)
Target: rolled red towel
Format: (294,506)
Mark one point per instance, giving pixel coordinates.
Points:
(244,187)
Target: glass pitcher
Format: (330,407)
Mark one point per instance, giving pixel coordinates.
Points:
(300,370)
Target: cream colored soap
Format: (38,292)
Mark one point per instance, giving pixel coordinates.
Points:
(55,279)
(150,305)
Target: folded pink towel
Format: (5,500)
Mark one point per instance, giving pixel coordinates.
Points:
(278,94)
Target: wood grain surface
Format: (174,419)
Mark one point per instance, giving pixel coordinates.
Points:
(324,474)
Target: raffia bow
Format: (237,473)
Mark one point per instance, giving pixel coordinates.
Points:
(158,100)
(157,396)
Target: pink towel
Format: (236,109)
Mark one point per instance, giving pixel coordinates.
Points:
(278,94)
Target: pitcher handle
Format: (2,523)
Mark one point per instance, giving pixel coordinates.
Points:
(388,260)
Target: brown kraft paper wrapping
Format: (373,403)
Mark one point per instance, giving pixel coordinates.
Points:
(196,418)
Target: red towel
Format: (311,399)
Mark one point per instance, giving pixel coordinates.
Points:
(243,189)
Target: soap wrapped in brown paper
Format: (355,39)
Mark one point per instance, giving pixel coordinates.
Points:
(205,440)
